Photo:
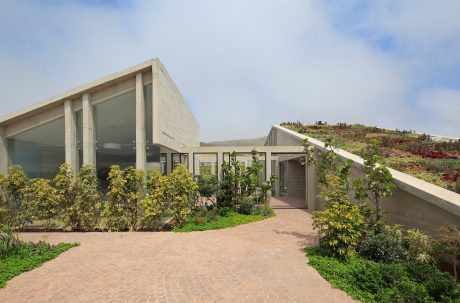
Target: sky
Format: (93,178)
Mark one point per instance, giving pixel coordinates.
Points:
(243,66)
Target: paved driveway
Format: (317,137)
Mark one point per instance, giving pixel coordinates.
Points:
(257,262)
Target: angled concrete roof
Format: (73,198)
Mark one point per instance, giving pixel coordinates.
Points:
(76,92)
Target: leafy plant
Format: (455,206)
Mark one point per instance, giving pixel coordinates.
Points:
(85,210)
(181,193)
(418,246)
(448,244)
(8,241)
(14,188)
(123,209)
(382,247)
(155,202)
(42,202)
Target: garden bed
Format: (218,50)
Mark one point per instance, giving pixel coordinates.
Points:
(220,222)
(371,282)
(419,155)
(28,256)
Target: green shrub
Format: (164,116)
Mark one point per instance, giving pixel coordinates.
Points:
(123,209)
(245,206)
(65,184)
(14,188)
(42,202)
(376,282)
(181,193)
(419,271)
(8,241)
(207,185)
(87,199)
(418,246)
(448,244)
(382,247)
(442,287)
(154,203)
(224,211)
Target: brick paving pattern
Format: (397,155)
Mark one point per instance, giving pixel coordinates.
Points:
(257,262)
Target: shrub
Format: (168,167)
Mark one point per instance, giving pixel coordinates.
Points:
(245,206)
(419,271)
(42,201)
(224,211)
(87,199)
(341,224)
(64,182)
(382,247)
(154,203)
(14,187)
(123,209)
(181,193)
(442,287)
(448,244)
(8,241)
(417,245)
(207,185)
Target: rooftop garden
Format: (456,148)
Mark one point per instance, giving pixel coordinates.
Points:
(419,155)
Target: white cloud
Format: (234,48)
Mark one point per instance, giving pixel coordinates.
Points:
(241,65)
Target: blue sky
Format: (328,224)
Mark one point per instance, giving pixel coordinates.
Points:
(245,65)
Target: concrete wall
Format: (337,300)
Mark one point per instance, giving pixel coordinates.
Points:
(295,179)
(177,127)
(415,203)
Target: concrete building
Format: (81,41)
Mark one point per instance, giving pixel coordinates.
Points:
(138,117)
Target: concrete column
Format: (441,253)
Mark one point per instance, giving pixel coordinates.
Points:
(155,104)
(168,163)
(141,155)
(268,170)
(190,163)
(89,152)
(220,160)
(277,181)
(71,156)
(3,151)
(311,179)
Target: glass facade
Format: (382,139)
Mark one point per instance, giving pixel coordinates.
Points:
(205,164)
(115,128)
(40,150)
(79,126)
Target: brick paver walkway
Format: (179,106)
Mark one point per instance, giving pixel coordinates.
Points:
(257,262)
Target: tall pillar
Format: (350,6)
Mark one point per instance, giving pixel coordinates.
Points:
(220,160)
(311,179)
(155,103)
(268,170)
(89,152)
(3,151)
(71,156)
(277,173)
(140,124)
(168,163)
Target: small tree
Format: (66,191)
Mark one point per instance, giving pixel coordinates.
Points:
(208,186)
(135,191)
(155,203)
(377,183)
(181,194)
(341,223)
(42,202)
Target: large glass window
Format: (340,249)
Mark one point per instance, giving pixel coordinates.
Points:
(79,123)
(205,164)
(40,150)
(115,127)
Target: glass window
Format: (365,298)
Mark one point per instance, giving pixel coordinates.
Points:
(179,158)
(246,160)
(115,127)
(40,150)
(205,164)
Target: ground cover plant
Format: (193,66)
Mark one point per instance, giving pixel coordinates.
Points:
(17,257)
(359,252)
(416,154)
